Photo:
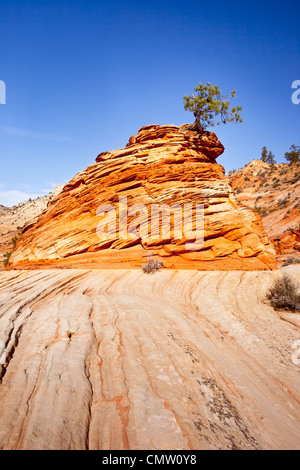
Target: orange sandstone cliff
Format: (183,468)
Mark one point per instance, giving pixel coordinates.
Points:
(160,165)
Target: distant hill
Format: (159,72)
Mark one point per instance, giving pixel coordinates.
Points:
(274,191)
(12,219)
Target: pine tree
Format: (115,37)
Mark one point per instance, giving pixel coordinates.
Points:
(293,156)
(267,157)
(208,103)
(264,154)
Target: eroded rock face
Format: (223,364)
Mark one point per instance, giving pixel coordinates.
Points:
(160,165)
(12,219)
(118,359)
(274,191)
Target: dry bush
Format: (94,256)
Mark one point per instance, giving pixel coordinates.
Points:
(291,261)
(152,265)
(285,294)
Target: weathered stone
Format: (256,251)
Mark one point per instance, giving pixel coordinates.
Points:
(160,165)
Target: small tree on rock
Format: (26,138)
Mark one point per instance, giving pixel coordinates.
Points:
(208,103)
(267,157)
(293,156)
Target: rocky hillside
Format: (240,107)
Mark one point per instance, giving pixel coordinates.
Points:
(118,359)
(12,219)
(274,191)
(160,165)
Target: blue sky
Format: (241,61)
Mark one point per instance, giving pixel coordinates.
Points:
(83,76)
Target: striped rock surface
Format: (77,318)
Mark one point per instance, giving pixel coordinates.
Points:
(161,165)
(117,359)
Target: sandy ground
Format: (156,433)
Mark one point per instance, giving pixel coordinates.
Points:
(117,359)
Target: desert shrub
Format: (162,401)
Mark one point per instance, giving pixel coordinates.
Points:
(152,265)
(285,294)
(6,258)
(261,210)
(15,239)
(290,261)
(283,202)
(295,180)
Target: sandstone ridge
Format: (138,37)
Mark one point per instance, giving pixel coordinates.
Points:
(273,191)
(116,359)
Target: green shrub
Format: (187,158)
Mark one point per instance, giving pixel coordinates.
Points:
(6,258)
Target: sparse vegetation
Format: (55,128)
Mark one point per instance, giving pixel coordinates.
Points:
(285,294)
(261,210)
(9,253)
(293,156)
(283,202)
(290,261)
(267,157)
(15,239)
(153,265)
(6,258)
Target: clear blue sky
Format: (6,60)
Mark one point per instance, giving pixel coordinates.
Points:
(83,76)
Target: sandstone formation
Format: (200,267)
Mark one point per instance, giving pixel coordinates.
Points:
(274,191)
(160,165)
(118,359)
(12,219)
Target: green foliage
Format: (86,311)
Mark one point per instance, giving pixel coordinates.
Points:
(15,239)
(208,103)
(6,258)
(9,253)
(261,210)
(293,156)
(267,157)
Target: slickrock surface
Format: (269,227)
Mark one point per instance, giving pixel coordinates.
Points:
(117,359)
(12,219)
(274,191)
(161,164)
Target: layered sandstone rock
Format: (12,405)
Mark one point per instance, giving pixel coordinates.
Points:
(12,219)
(160,165)
(274,191)
(115,359)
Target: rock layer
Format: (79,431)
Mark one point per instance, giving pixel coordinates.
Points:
(274,191)
(160,165)
(12,219)
(117,359)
